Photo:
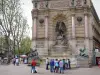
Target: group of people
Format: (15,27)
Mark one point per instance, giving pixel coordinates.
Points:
(58,66)
(17,60)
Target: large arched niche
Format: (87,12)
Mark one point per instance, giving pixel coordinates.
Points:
(57,20)
(59,17)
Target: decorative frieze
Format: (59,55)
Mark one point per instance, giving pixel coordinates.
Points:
(59,4)
(53,4)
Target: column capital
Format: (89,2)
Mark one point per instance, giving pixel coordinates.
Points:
(34,13)
(73,14)
(90,38)
(46,38)
(34,38)
(34,17)
(34,10)
(46,15)
(74,38)
(86,13)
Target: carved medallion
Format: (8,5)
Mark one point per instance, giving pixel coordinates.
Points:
(79,3)
(79,19)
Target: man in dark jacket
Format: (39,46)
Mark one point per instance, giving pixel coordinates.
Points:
(69,67)
(52,65)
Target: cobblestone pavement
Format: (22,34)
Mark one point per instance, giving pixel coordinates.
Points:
(25,70)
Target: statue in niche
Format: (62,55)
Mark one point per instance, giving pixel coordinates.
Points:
(60,33)
(35,4)
(72,2)
(46,4)
(85,1)
(78,2)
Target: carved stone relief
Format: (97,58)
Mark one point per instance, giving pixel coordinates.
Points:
(79,3)
(60,33)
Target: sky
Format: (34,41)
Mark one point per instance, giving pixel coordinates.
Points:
(27,7)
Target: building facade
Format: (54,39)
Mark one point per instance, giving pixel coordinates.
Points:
(65,29)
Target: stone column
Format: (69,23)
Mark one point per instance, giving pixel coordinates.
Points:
(86,32)
(34,28)
(74,52)
(46,27)
(46,35)
(87,38)
(34,32)
(90,39)
(86,26)
(73,25)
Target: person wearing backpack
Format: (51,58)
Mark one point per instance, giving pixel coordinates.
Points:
(56,64)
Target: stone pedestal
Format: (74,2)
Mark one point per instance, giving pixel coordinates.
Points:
(83,62)
(60,51)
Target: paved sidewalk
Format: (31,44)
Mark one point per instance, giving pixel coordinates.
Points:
(25,70)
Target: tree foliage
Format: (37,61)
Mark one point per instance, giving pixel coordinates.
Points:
(13,24)
(25,46)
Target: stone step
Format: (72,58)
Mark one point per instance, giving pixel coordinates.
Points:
(83,63)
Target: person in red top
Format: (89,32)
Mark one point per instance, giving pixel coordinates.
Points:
(33,64)
(99,63)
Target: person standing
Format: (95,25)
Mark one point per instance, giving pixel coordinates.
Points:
(14,61)
(61,66)
(52,65)
(56,64)
(20,60)
(66,64)
(17,61)
(69,67)
(47,64)
(33,65)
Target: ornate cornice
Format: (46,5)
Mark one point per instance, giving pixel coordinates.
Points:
(34,13)
(34,38)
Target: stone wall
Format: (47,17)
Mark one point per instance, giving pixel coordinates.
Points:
(77,15)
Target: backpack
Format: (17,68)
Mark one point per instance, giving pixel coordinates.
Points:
(35,71)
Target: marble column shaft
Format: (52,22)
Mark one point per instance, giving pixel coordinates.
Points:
(34,32)
(87,44)
(73,26)
(46,35)
(74,52)
(86,26)
(34,28)
(46,27)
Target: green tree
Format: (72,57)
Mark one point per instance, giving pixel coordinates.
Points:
(25,45)
(14,25)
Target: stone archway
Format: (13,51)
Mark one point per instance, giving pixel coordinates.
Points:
(60,29)
(59,17)
(61,47)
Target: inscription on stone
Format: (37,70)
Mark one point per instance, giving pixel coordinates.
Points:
(80,42)
(40,44)
(60,4)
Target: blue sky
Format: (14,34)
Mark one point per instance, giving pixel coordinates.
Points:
(27,7)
